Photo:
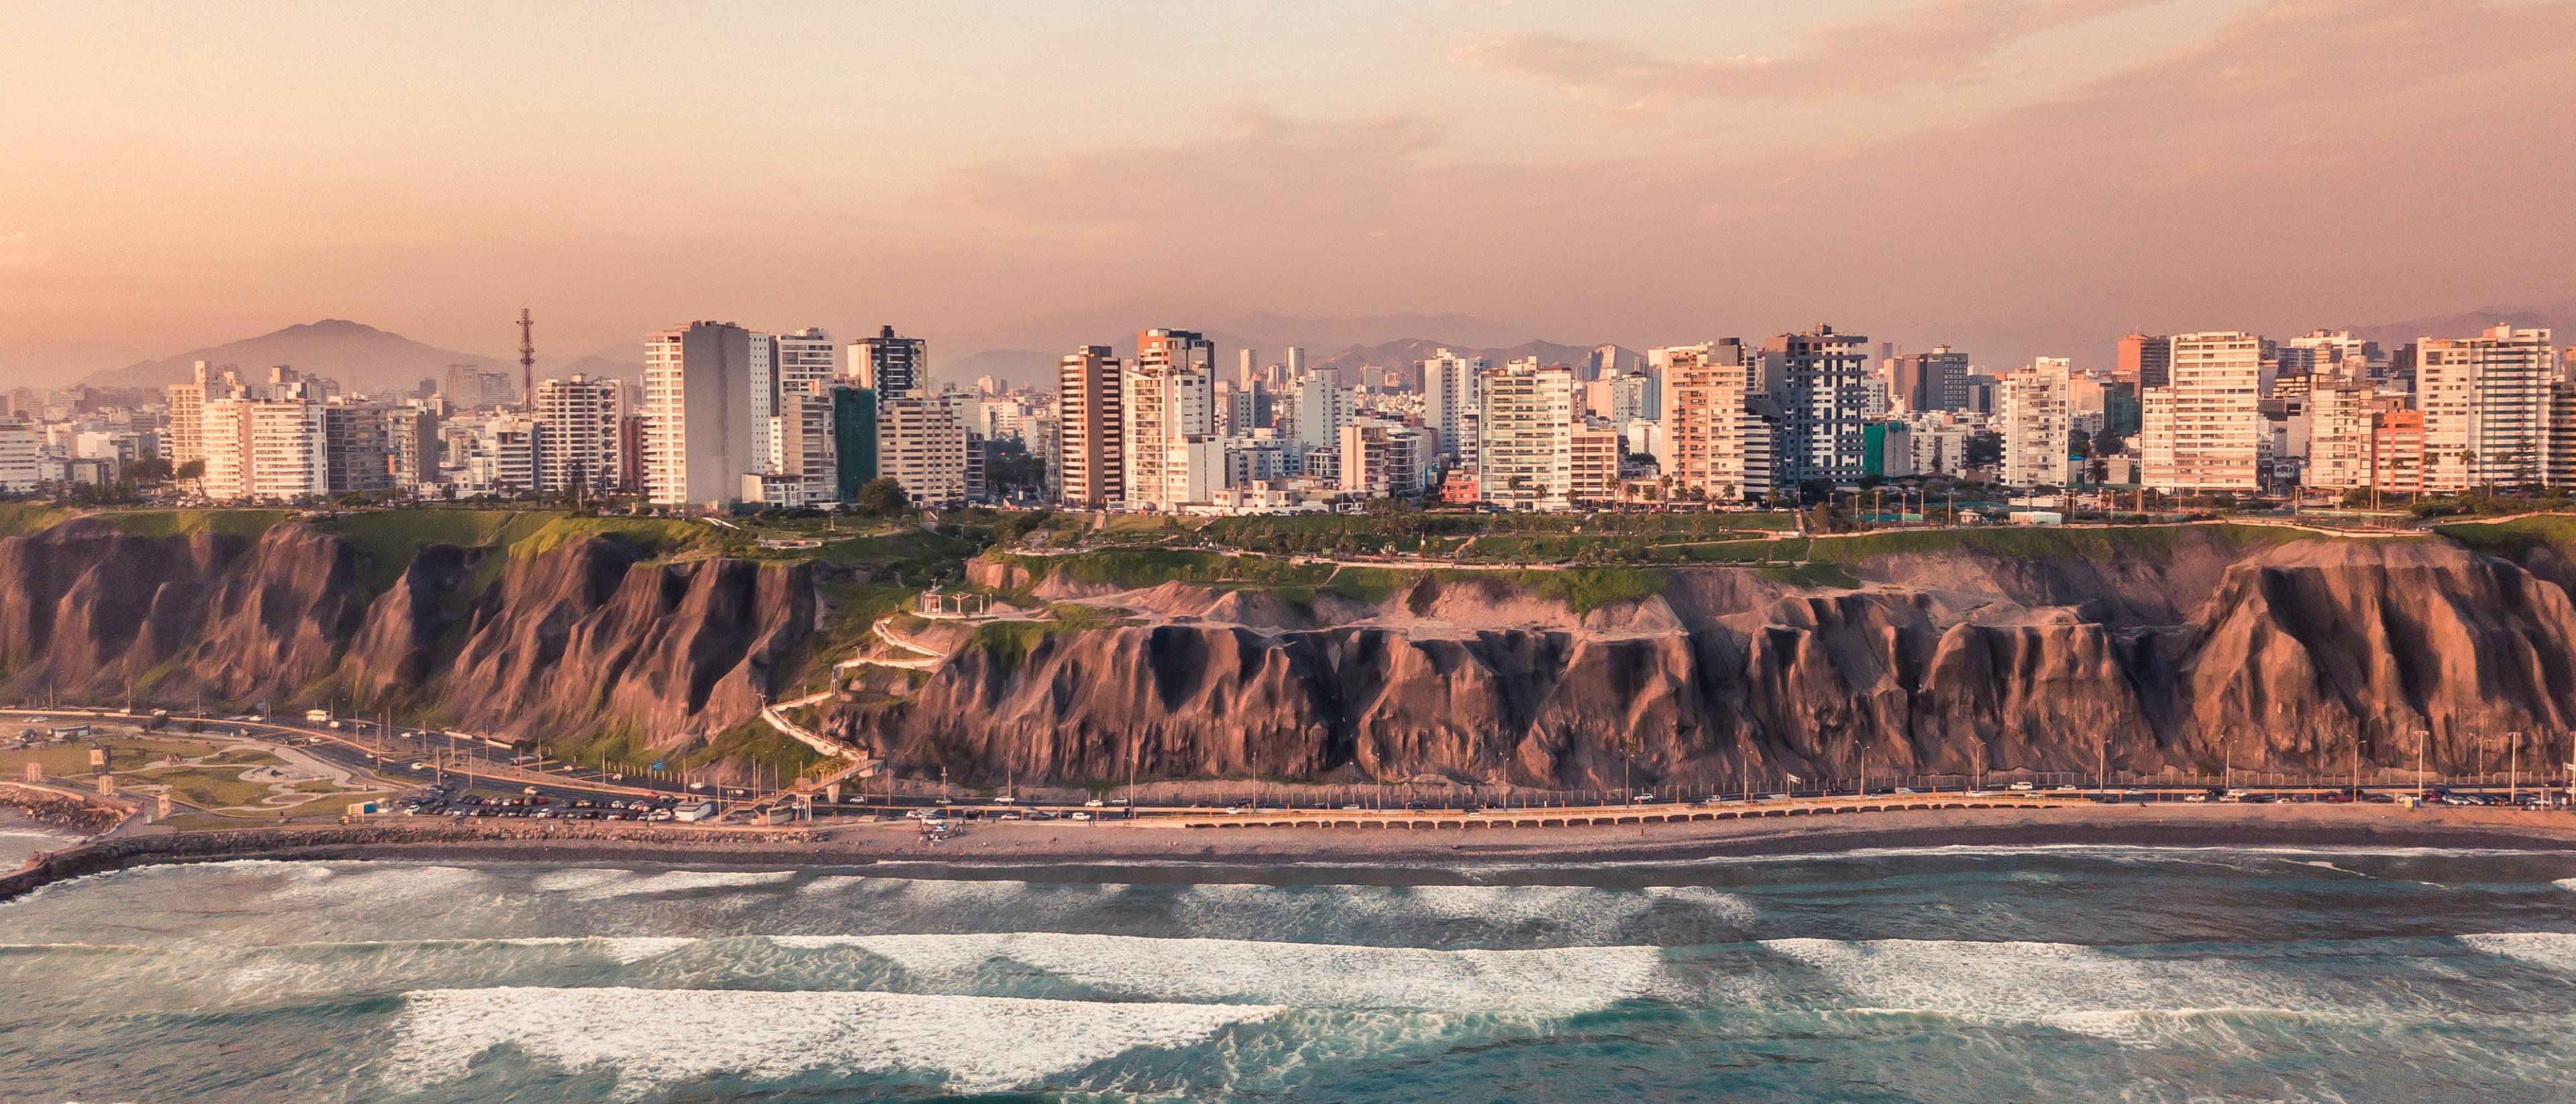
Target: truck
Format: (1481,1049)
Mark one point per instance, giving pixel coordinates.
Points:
(316,716)
(688,814)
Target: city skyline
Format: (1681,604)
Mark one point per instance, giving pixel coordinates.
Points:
(2016,179)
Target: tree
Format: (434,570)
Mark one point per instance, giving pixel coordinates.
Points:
(884,497)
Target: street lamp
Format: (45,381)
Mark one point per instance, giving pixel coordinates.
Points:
(2421,736)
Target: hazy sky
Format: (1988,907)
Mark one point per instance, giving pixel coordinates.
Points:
(2032,175)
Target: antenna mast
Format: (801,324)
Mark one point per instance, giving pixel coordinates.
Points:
(527,361)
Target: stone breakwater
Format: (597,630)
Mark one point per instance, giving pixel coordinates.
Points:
(381,840)
(63,811)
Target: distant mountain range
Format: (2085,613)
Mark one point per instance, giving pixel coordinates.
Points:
(2559,317)
(359,356)
(364,357)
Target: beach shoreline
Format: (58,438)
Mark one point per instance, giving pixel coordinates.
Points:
(1079,848)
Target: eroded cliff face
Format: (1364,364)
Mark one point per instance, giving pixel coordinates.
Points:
(2270,656)
(558,644)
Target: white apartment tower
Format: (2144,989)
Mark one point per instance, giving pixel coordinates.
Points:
(2339,435)
(2032,407)
(1167,423)
(577,431)
(1528,429)
(2486,407)
(701,433)
(2200,432)
(1449,401)
(921,444)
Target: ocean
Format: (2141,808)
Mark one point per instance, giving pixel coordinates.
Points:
(1935,974)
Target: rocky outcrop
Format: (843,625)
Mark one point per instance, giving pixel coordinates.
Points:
(592,633)
(2202,650)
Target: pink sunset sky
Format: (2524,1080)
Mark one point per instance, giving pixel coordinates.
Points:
(2017,176)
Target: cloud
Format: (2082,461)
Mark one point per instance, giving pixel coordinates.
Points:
(1928,43)
(19,250)
(2282,170)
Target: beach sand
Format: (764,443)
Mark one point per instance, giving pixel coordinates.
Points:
(1047,844)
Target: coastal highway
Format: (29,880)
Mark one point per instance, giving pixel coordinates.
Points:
(361,747)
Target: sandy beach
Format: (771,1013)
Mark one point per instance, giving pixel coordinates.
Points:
(1023,844)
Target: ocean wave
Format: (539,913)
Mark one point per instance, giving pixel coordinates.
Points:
(2062,983)
(2555,951)
(1306,975)
(652,1038)
(593,884)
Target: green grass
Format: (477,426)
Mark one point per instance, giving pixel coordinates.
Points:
(755,742)
(2516,539)
(2156,543)
(1138,568)
(851,609)
(1584,589)
(1819,576)
(251,524)
(31,517)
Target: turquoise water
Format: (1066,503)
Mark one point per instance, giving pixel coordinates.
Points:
(2076,974)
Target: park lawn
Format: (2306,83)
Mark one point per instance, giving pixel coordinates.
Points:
(60,761)
(203,787)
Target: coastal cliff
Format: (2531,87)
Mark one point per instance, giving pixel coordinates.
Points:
(2177,648)
(1956,653)
(590,633)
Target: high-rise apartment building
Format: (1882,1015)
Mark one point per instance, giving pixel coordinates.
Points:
(1816,379)
(2341,429)
(411,446)
(357,448)
(21,447)
(1449,401)
(2034,414)
(2337,354)
(2485,402)
(700,433)
(2146,360)
(577,438)
(921,444)
(1384,459)
(187,429)
(2201,431)
(855,439)
(1168,428)
(1091,464)
(893,367)
(1528,430)
(1318,408)
(1937,380)
(2558,463)
(1592,465)
(1707,420)
(288,451)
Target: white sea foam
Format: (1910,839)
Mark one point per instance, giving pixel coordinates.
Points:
(2073,987)
(595,884)
(650,1038)
(625,950)
(1572,914)
(326,884)
(2548,950)
(1306,975)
